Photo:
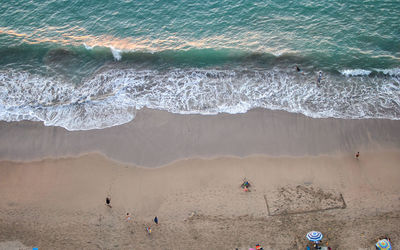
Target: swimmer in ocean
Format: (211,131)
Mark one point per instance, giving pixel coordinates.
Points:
(299,70)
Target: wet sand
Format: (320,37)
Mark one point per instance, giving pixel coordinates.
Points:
(155,138)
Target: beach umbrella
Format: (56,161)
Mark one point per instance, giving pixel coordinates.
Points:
(384,244)
(314,236)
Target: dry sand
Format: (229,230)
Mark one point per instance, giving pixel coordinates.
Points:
(303,173)
(60,203)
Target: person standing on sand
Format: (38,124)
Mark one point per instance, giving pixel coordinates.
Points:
(156,220)
(319,78)
(128,217)
(357,155)
(108,202)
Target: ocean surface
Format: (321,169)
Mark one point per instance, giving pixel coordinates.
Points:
(93,64)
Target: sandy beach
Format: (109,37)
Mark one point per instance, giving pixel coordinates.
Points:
(156,138)
(199,125)
(187,170)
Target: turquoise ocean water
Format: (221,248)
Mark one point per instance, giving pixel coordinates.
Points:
(92,64)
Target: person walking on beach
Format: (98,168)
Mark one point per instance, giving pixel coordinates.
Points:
(156,220)
(128,217)
(148,230)
(357,155)
(108,202)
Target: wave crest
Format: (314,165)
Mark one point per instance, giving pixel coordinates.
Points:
(355,72)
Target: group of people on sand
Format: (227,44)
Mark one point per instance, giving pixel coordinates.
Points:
(258,247)
(128,217)
(148,229)
(319,78)
(245,185)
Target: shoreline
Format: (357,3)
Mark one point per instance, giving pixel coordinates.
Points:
(187,170)
(155,138)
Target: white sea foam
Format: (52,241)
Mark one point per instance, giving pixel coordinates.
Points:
(112,97)
(87,46)
(363,72)
(116,53)
(355,72)
(391,72)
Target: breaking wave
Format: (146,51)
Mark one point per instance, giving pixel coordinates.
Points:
(111,97)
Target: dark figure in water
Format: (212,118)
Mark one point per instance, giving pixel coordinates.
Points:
(108,201)
(299,70)
(156,220)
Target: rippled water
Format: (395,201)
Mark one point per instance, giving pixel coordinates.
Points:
(92,64)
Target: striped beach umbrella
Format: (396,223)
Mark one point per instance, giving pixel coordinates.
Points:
(384,245)
(314,236)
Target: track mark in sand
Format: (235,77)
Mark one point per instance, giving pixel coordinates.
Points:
(266,203)
(341,179)
(112,182)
